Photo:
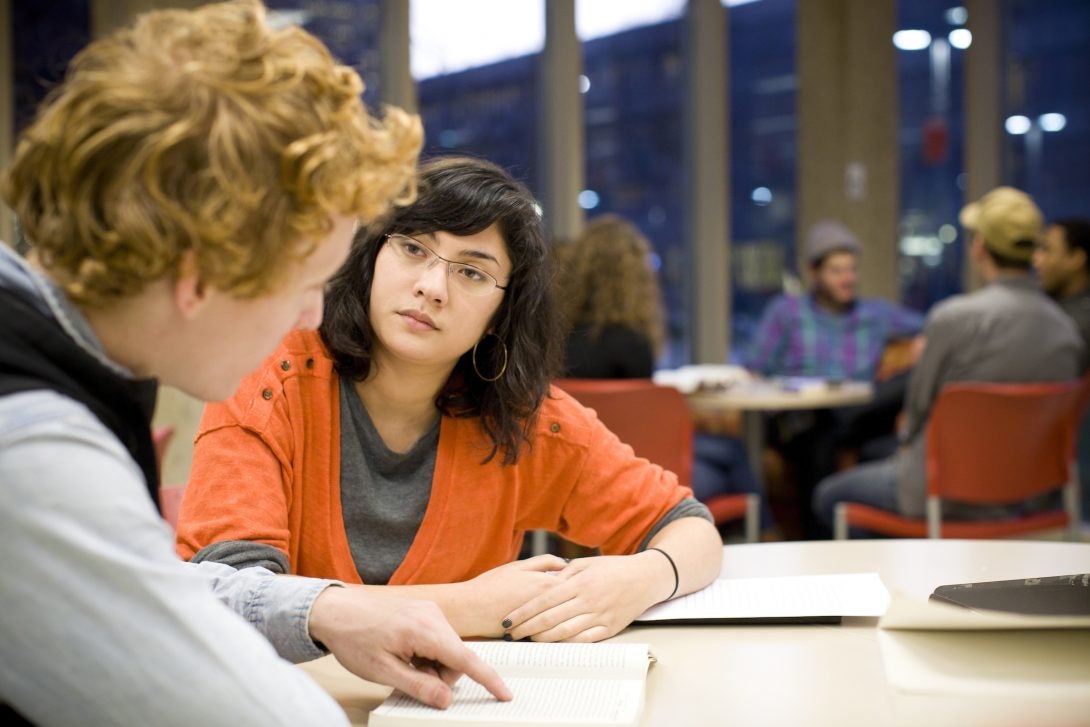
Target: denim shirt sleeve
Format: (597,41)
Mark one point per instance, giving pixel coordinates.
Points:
(277,606)
(103,623)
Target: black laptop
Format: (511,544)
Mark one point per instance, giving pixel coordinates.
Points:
(1048,596)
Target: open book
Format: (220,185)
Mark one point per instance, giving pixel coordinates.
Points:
(560,685)
(778,599)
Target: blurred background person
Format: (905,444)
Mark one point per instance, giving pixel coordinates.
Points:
(612,301)
(1006,331)
(1062,261)
(830,332)
(611,296)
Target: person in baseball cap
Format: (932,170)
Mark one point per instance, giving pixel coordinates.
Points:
(1008,221)
(1006,330)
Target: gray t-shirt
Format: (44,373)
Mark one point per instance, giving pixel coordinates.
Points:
(384,494)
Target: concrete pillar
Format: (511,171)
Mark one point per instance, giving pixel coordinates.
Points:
(984,71)
(398,87)
(706,149)
(561,151)
(848,155)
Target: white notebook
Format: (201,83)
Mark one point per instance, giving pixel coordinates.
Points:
(776,599)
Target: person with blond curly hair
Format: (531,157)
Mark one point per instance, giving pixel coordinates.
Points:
(612,302)
(186,193)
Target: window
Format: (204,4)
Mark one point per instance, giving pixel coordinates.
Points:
(762,159)
(931,42)
(476,63)
(349,28)
(633,103)
(1047,120)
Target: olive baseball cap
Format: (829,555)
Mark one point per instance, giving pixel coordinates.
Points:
(1008,220)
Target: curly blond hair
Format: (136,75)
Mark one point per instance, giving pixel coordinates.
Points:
(201,130)
(607,279)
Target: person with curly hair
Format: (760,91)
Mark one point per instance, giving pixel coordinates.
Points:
(411,443)
(186,193)
(612,302)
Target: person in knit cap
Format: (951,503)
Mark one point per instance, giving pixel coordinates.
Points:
(830,332)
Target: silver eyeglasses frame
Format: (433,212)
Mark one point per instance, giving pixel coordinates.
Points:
(432,257)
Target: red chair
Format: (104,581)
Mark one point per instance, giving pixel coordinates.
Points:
(170,496)
(160,438)
(990,444)
(170,502)
(1082,400)
(656,422)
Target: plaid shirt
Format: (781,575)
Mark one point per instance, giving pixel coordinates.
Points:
(797,337)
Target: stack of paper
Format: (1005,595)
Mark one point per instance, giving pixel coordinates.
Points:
(786,599)
(688,379)
(948,665)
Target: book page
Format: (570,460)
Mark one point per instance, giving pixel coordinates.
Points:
(851,594)
(546,701)
(553,684)
(526,658)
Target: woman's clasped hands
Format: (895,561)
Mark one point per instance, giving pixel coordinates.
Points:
(584,600)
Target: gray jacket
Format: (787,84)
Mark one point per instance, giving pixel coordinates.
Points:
(1006,331)
(102,623)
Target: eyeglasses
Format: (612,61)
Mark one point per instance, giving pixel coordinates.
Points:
(415,255)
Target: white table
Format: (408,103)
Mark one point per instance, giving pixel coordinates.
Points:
(843,674)
(755,398)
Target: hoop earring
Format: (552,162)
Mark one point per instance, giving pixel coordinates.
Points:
(473,358)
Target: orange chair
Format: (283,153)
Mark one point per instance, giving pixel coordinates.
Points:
(989,444)
(656,422)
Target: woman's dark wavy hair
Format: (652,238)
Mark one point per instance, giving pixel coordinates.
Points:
(462,196)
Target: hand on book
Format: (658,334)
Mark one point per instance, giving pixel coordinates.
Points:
(594,598)
(559,685)
(401,642)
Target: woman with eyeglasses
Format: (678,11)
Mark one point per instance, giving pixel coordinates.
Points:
(412,441)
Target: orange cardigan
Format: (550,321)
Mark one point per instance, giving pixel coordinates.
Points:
(266,468)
